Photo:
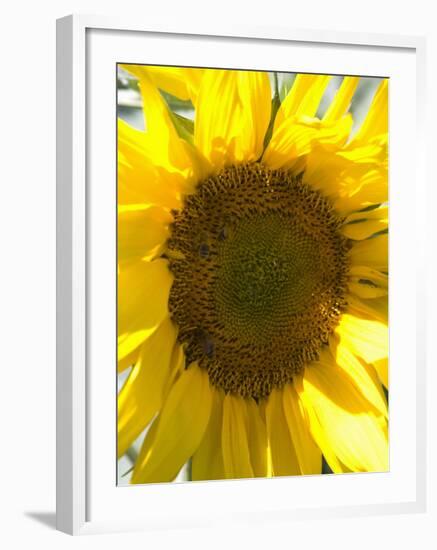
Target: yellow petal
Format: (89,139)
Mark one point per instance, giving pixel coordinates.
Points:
(143,290)
(296,137)
(354,432)
(177,368)
(178,81)
(316,429)
(362,375)
(283,453)
(361,225)
(366,338)
(365,153)
(368,186)
(141,395)
(372,253)
(236,454)
(142,231)
(376,121)
(257,436)
(366,289)
(381,368)
(325,171)
(139,180)
(164,146)
(208,459)
(349,183)
(366,282)
(178,165)
(374,308)
(128,361)
(308,453)
(181,164)
(232,116)
(303,98)
(179,430)
(342,100)
(379,214)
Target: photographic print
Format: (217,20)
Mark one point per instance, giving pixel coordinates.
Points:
(252,276)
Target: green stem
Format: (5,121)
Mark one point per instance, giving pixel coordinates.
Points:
(276,82)
(276,102)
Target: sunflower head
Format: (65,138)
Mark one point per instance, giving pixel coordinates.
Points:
(252,277)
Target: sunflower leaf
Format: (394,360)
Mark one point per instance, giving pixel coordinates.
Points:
(184,126)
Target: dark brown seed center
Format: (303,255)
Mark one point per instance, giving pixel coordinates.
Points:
(259,279)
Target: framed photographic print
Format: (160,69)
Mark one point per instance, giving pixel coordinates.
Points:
(240,331)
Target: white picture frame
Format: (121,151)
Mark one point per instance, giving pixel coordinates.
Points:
(76,241)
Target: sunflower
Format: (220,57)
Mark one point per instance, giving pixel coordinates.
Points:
(252,278)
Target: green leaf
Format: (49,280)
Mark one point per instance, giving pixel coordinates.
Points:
(184,126)
(174,102)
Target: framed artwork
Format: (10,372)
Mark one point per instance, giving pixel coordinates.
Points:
(237,315)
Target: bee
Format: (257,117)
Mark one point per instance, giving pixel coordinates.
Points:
(204,249)
(207,344)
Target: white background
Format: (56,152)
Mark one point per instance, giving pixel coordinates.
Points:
(27,286)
